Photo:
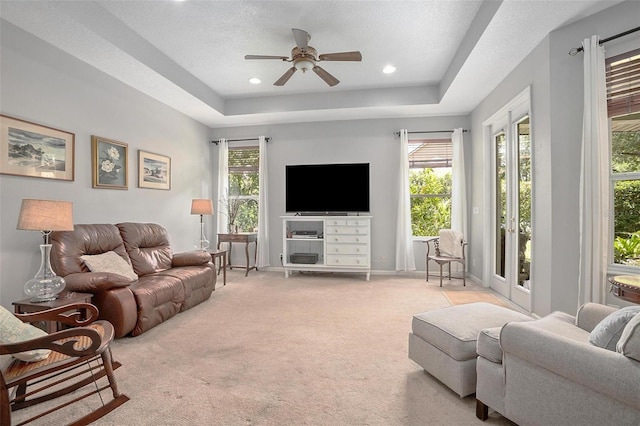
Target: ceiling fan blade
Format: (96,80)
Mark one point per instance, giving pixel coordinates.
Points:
(285,77)
(328,78)
(302,38)
(284,58)
(341,56)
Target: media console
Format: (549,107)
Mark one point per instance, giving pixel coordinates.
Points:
(339,243)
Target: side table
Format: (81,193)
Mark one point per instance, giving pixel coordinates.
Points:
(65,298)
(626,287)
(221,255)
(241,237)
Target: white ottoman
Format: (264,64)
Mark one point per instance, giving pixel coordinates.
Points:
(443,341)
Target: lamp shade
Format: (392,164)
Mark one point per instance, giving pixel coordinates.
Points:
(202,206)
(46,215)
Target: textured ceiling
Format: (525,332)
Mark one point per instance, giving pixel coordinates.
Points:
(449,54)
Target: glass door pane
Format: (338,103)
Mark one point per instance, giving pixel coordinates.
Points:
(501,203)
(524,203)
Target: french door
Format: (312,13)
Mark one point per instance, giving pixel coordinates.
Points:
(508,268)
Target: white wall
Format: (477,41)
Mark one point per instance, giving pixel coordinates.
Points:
(39,83)
(362,141)
(556,87)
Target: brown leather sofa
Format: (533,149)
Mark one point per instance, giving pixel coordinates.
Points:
(167,283)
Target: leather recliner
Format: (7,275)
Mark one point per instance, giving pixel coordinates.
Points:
(167,283)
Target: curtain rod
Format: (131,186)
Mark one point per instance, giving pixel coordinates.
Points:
(217,141)
(430,131)
(577,50)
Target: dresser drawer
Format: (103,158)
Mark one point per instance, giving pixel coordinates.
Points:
(355,230)
(340,238)
(346,249)
(347,260)
(336,221)
(357,222)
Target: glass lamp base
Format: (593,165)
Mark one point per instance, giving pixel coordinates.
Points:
(46,285)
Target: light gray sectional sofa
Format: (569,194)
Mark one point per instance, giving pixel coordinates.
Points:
(546,372)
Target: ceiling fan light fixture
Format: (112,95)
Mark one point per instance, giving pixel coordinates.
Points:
(255,80)
(304,64)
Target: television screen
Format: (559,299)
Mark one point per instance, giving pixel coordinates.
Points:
(327,188)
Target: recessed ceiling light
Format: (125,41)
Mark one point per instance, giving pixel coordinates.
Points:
(254,80)
(388,69)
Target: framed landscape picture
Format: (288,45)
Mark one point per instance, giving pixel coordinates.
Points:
(30,149)
(154,170)
(109,163)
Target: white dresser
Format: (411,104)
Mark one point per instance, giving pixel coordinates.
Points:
(327,243)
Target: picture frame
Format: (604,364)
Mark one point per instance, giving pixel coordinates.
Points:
(34,150)
(109,163)
(154,170)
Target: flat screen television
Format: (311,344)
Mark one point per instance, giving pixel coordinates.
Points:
(327,188)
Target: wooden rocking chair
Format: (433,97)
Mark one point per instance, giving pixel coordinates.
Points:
(79,356)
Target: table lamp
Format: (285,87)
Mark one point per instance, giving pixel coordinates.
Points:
(203,207)
(45,216)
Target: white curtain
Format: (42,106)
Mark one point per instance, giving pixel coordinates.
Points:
(263,207)
(223,185)
(458,185)
(405,260)
(594,182)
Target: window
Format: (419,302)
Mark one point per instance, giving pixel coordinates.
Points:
(430,185)
(623,105)
(242,201)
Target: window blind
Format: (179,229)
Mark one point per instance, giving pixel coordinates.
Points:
(623,83)
(244,159)
(430,153)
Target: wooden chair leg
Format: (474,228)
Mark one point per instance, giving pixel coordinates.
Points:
(482,411)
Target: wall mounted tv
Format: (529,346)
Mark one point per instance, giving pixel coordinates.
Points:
(327,188)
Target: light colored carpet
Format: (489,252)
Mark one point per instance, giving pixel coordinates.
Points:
(460,297)
(314,349)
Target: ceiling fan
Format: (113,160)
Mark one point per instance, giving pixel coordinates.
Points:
(304,58)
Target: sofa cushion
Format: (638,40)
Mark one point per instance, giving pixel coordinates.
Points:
(607,333)
(68,246)
(147,245)
(629,343)
(488,345)
(109,262)
(12,330)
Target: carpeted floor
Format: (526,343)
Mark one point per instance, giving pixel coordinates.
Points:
(314,349)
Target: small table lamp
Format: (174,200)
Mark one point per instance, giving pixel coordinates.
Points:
(203,207)
(45,216)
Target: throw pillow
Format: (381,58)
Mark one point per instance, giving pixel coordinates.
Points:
(12,330)
(629,343)
(607,333)
(109,262)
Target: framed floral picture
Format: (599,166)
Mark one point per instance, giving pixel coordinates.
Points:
(30,149)
(109,164)
(154,170)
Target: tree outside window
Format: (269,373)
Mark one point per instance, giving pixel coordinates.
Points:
(430,185)
(625,175)
(242,200)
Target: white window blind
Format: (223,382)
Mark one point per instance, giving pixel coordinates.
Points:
(430,153)
(623,83)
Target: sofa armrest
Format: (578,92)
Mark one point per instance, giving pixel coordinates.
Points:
(607,372)
(590,314)
(190,258)
(94,282)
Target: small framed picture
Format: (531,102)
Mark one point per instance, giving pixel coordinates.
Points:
(154,170)
(109,163)
(34,150)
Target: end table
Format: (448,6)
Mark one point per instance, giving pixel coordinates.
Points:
(65,298)
(221,255)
